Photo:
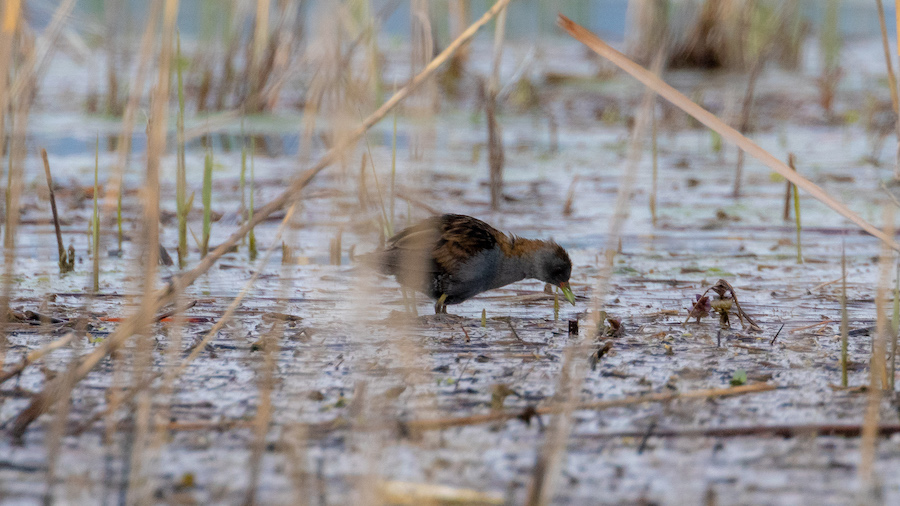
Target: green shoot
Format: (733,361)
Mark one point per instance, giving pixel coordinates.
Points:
(252,235)
(556,304)
(739,378)
(207,203)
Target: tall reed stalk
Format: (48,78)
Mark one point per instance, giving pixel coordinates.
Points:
(95,222)
(139,477)
(845,320)
(791,164)
(181,206)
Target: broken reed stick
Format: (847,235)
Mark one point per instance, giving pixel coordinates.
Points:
(172,312)
(678,99)
(446,423)
(36,355)
(59,239)
(826,283)
(51,392)
(786,431)
(819,324)
(321,429)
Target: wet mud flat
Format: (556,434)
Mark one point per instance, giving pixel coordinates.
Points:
(354,377)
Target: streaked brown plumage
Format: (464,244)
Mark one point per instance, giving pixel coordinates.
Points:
(453,257)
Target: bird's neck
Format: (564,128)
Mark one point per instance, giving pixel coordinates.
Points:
(517,260)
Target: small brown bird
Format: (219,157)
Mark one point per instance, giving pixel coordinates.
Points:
(453,257)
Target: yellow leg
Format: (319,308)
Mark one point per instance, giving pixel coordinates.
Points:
(439,306)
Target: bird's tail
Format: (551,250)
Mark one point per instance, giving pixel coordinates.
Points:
(375,260)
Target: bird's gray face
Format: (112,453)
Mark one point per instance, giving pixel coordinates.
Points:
(552,265)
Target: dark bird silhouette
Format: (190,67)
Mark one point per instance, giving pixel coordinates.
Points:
(453,257)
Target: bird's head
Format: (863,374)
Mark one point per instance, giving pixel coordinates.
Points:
(552,265)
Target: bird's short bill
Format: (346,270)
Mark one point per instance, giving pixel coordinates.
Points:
(567,291)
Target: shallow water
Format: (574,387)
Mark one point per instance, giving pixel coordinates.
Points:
(355,357)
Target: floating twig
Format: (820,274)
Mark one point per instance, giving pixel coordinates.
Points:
(771,343)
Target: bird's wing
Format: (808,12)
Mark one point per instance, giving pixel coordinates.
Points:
(462,238)
(440,244)
(411,248)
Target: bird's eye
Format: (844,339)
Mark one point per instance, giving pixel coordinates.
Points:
(558,273)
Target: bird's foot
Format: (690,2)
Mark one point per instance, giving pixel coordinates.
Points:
(439,306)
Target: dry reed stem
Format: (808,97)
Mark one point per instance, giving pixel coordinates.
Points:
(20,103)
(59,239)
(33,66)
(814,325)
(49,395)
(139,481)
(654,180)
(845,325)
(496,157)
(710,120)
(424,102)
(896,91)
(165,393)
(53,443)
(48,40)
(786,430)
(878,381)
(548,466)
(10,18)
(136,90)
(266,383)
(897,14)
(892,78)
(413,494)
(744,123)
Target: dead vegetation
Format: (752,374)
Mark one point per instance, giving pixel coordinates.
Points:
(144,365)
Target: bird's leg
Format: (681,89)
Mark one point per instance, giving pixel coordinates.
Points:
(439,306)
(405,300)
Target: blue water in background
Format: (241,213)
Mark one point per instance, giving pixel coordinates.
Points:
(527,19)
(607,18)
